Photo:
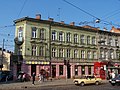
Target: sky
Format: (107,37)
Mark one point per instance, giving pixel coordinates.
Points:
(82,12)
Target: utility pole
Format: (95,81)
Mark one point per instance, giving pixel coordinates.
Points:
(50,49)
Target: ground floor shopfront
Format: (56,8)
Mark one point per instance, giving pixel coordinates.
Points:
(59,70)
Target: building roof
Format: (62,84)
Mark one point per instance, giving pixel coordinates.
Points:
(61,24)
(115,30)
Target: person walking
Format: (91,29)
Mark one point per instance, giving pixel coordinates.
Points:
(40,78)
(6,78)
(33,78)
(24,77)
(113,74)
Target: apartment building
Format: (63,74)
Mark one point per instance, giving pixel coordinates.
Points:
(47,45)
(5,60)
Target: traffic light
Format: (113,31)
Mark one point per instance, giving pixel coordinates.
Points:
(65,62)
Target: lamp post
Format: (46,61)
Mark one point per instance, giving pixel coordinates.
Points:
(50,48)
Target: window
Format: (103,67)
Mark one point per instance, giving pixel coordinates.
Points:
(53,35)
(88,40)
(94,55)
(110,41)
(83,70)
(93,41)
(82,39)
(111,55)
(76,70)
(89,55)
(117,55)
(68,53)
(60,36)
(102,54)
(34,31)
(60,69)
(53,52)
(41,51)
(82,54)
(68,37)
(20,53)
(89,70)
(116,42)
(20,32)
(61,53)
(42,32)
(106,41)
(34,52)
(76,53)
(75,38)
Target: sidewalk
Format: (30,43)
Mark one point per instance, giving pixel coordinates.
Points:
(19,85)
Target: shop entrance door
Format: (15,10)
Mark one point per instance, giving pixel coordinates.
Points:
(53,71)
(33,68)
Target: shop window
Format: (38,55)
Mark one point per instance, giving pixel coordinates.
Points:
(89,70)
(60,69)
(83,70)
(76,70)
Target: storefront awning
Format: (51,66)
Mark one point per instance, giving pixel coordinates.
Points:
(38,62)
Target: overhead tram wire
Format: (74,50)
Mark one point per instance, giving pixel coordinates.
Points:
(22,8)
(90,14)
(111,14)
(7,26)
(80,9)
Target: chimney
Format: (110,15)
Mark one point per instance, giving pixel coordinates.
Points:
(38,16)
(50,19)
(104,29)
(72,23)
(62,22)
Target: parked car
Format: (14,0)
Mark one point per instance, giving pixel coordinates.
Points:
(88,79)
(6,76)
(115,81)
(20,76)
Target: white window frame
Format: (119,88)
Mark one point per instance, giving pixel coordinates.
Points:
(75,38)
(60,36)
(34,32)
(53,35)
(68,37)
(53,52)
(82,54)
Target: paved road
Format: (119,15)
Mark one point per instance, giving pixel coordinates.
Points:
(28,85)
(73,87)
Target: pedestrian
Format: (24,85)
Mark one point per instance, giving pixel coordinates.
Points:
(113,74)
(24,77)
(33,78)
(6,78)
(40,77)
